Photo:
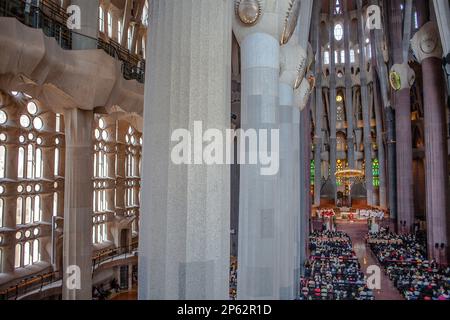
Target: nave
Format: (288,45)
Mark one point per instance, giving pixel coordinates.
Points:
(344,264)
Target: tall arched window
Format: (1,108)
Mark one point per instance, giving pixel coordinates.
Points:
(119,30)
(21,162)
(27,254)
(36,253)
(1,213)
(130,37)
(143,47)
(2,161)
(326,58)
(19,210)
(18,256)
(101,19)
(110,24)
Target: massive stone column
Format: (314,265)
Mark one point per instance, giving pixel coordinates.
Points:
(293,62)
(78,189)
(365,109)
(77,243)
(318,141)
(428,50)
(258,27)
(184,244)
(402,77)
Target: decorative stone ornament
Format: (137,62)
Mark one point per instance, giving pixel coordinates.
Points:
(304,90)
(248,11)
(401,77)
(426,42)
(290,22)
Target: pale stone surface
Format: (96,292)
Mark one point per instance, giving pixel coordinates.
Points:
(78,190)
(184,250)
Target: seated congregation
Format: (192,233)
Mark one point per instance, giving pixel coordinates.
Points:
(333,271)
(405,261)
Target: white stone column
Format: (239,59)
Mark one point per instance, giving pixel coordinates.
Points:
(78,190)
(184,244)
(293,62)
(259,31)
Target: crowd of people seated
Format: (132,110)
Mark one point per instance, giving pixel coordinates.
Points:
(333,271)
(233,278)
(405,262)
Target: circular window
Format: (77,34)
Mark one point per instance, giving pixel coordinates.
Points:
(32,107)
(15,93)
(37,123)
(37,188)
(104,135)
(29,188)
(2,189)
(338,32)
(104,184)
(19,188)
(21,139)
(3,117)
(39,141)
(18,235)
(2,137)
(36,231)
(24,121)
(101,123)
(27,234)
(97,134)
(339,98)
(30,136)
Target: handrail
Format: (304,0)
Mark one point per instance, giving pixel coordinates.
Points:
(110,254)
(39,281)
(52,19)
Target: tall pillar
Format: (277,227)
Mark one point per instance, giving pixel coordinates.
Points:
(293,62)
(78,191)
(318,141)
(428,50)
(259,31)
(365,109)
(184,244)
(405,204)
(332,106)
(86,37)
(348,90)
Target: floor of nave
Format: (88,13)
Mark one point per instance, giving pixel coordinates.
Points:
(357,232)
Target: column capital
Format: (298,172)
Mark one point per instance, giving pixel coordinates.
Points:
(293,63)
(426,42)
(275,17)
(302,93)
(401,76)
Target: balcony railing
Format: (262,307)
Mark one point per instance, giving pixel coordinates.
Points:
(52,19)
(38,282)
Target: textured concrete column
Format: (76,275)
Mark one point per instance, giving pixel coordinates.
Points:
(365,108)
(184,244)
(78,204)
(428,50)
(402,96)
(260,221)
(86,38)
(293,65)
(318,141)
